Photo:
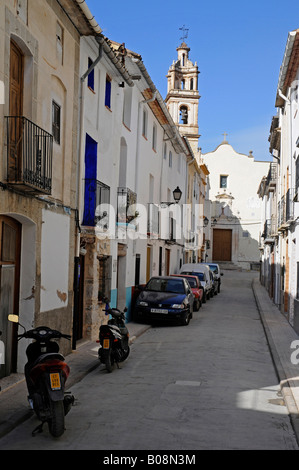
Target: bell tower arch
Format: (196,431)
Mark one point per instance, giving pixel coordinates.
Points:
(183,96)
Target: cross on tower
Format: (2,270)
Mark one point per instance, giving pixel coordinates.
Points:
(185,32)
(225,134)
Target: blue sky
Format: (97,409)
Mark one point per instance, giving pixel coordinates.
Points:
(238,47)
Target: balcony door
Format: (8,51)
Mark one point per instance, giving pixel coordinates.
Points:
(16,84)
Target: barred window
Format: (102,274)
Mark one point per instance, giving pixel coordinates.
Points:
(56,121)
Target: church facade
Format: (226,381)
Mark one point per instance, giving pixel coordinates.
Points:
(235,208)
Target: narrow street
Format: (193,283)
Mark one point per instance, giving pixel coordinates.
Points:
(210,385)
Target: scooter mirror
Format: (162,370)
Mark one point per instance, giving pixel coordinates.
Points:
(13,318)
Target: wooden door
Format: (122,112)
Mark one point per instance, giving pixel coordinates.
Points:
(15,111)
(222,245)
(167,262)
(10,242)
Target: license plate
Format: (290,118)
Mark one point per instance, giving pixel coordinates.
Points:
(55,381)
(159,310)
(106,343)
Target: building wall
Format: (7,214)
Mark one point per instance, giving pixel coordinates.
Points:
(46,282)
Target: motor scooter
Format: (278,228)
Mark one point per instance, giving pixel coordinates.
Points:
(46,373)
(113,338)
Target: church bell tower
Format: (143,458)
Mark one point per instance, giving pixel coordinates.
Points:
(182,95)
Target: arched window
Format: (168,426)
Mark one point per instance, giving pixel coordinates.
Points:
(183,84)
(191,84)
(183,115)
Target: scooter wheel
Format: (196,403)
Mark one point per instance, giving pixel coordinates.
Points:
(56,423)
(109,362)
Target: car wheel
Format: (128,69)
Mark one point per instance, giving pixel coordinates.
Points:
(219,289)
(197,305)
(186,319)
(204,298)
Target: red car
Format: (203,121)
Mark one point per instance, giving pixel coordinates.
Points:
(196,287)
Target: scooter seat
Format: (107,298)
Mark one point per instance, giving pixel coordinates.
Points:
(48,356)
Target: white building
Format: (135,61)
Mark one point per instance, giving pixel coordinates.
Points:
(284,145)
(235,206)
(132,159)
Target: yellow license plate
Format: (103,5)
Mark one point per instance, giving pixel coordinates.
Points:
(106,343)
(55,381)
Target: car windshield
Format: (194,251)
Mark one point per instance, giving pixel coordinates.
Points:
(199,275)
(192,282)
(166,285)
(214,268)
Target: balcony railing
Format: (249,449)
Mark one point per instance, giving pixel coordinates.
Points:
(126,205)
(290,205)
(270,228)
(29,155)
(272,174)
(96,194)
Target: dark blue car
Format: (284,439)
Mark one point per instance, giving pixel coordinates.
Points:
(165,298)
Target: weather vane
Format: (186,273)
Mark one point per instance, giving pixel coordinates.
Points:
(185,32)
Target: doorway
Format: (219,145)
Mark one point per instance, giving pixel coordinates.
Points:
(16,84)
(222,244)
(10,248)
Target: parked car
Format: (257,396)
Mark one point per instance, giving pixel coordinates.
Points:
(202,271)
(196,287)
(167,298)
(216,270)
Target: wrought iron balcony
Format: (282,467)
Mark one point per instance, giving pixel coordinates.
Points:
(96,194)
(270,228)
(29,155)
(126,205)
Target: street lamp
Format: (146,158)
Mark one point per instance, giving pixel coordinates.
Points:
(177,194)
(205,221)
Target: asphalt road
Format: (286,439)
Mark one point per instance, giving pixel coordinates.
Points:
(206,386)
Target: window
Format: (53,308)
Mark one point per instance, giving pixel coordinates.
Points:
(183,115)
(90,79)
(56,121)
(108,92)
(154,143)
(223,181)
(144,123)
(59,43)
(170,159)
